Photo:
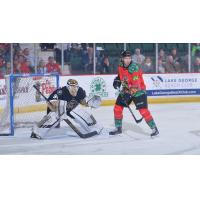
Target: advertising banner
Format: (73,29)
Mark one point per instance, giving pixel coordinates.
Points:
(158,86)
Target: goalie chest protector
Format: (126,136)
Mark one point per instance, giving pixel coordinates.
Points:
(64,94)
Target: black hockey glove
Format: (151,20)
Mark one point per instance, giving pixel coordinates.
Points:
(117,83)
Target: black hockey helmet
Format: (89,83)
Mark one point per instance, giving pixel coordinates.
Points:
(126,54)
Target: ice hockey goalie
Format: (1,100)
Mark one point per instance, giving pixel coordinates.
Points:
(62,104)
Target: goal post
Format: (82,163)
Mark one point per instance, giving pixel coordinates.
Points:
(23,105)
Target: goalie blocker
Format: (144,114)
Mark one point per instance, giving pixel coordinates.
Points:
(62,105)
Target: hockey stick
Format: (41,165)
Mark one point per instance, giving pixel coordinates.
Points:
(74,128)
(86,135)
(136,120)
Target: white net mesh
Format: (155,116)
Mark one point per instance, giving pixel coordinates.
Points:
(28,104)
(5,109)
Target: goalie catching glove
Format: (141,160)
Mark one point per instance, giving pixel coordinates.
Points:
(94,102)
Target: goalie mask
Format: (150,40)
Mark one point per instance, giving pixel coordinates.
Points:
(72,86)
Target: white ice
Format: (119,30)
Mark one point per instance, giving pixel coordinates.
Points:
(178,125)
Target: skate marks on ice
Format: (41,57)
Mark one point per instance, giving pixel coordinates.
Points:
(63,141)
(135,131)
(196,132)
(190,151)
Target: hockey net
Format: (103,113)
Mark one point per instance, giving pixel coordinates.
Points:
(23,105)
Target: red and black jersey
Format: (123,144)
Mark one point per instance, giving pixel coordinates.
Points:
(133,76)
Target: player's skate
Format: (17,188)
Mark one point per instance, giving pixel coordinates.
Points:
(34,133)
(36,136)
(116,131)
(155,132)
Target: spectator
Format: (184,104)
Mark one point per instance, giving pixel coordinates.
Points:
(16,65)
(176,58)
(19,53)
(162,59)
(76,49)
(4,57)
(41,69)
(99,57)
(26,53)
(85,59)
(105,65)
(25,67)
(21,59)
(57,54)
(147,67)
(196,65)
(8,68)
(2,67)
(90,50)
(161,66)
(196,50)
(2,61)
(52,66)
(172,66)
(90,67)
(162,56)
(138,57)
(67,55)
(16,47)
(178,61)
(5,51)
(21,65)
(90,58)
(185,63)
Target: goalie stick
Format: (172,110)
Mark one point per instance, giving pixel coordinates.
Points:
(74,128)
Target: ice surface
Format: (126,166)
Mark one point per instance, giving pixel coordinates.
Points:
(178,125)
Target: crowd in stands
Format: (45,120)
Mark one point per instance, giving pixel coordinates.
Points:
(169,60)
(5,65)
(50,67)
(172,62)
(24,62)
(195,57)
(79,58)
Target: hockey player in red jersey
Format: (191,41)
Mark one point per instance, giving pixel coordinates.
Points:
(133,88)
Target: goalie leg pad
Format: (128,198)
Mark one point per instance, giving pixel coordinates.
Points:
(83,118)
(61,107)
(47,122)
(94,102)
